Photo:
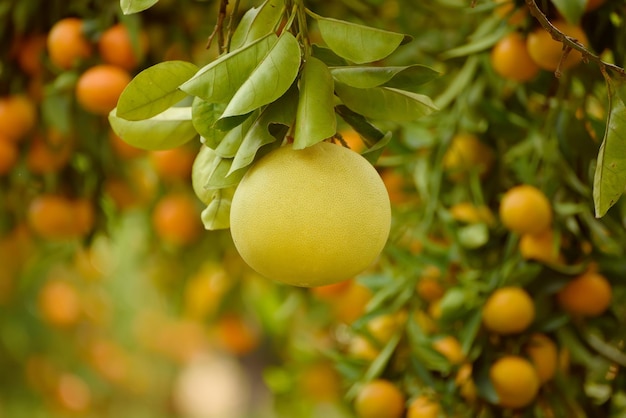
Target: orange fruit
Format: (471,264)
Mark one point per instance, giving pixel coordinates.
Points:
(515,380)
(397,186)
(361,347)
(236,335)
(352,139)
(546,52)
(508,310)
(465,154)
(506,9)
(468,212)
(351,304)
(544,355)
(176,219)
(123,149)
(51,216)
(73,393)
(423,407)
(320,382)
(429,287)
(593,4)
(526,210)
(8,156)
(173,164)
(30,54)
(331,291)
(540,247)
(99,88)
(465,383)
(67,44)
(450,348)
(116,47)
(84,216)
(109,360)
(18,117)
(59,303)
(511,60)
(49,153)
(589,295)
(379,399)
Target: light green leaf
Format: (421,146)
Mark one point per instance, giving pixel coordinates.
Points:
(373,154)
(154,89)
(218,81)
(134,6)
(404,78)
(385,103)
(217,213)
(204,116)
(233,139)
(266,129)
(357,43)
(476,45)
(571,10)
(610,175)
(210,172)
(257,22)
(269,80)
(315,120)
(166,130)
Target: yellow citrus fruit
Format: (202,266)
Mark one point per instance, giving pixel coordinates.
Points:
(310,217)
(423,407)
(543,353)
(507,10)
(509,310)
(466,154)
(379,399)
(511,60)
(99,88)
(515,381)
(67,44)
(589,294)
(547,52)
(465,383)
(540,247)
(18,116)
(526,210)
(450,348)
(468,212)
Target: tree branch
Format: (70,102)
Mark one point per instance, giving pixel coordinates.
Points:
(570,43)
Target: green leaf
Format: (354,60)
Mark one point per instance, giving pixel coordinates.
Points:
(280,113)
(385,103)
(571,10)
(327,56)
(404,78)
(217,213)
(204,116)
(476,45)
(373,153)
(257,22)
(370,134)
(610,176)
(154,89)
(269,80)
(210,172)
(166,130)
(315,120)
(232,140)
(473,236)
(134,6)
(218,81)
(357,43)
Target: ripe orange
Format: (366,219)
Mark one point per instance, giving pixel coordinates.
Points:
(352,139)
(116,48)
(30,54)
(331,291)
(8,156)
(51,216)
(450,348)
(511,60)
(59,303)
(351,304)
(297,215)
(99,88)
(67,44)
(397,186)
(423,407)
(589,294)
(173,164)
(507,10)
(379,399)
(18,117)
(73,393)
(547,52)
(465,154)
(236,335)
(465,383)
(540,247)
(176,219)
(49,153)
(430,289)
(84,216)
(509,310)
(526,210)
(515,381)
(543,353)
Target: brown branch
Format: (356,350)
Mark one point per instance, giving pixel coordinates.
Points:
(219,28)
(570,43)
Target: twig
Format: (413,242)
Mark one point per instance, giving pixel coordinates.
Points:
(569,42)
(219,28)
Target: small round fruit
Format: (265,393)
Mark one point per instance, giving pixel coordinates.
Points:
(67,44)
(450,348)
(547,52)
(310,217)
(116,47)
(467,153)
(589,295)
(540,247)
(176,219)
(423,407)
(9,156)
(515,381)
(511,60)
(99,88)
(379,399)
(18,116)
(544,355)
(509,310)
(526,210)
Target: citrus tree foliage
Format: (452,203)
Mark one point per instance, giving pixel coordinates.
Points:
(271,82)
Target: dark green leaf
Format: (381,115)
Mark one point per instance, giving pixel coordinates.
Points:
(315,120)
(133,6)
(404,78)
(327,56)
(385,103)
(218,81)
(477,45)
(257,22)
(154,89)
(373,153)
(571,10)
(610,175)
(357,43)
(370,134)
(205,115)
(166,130)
